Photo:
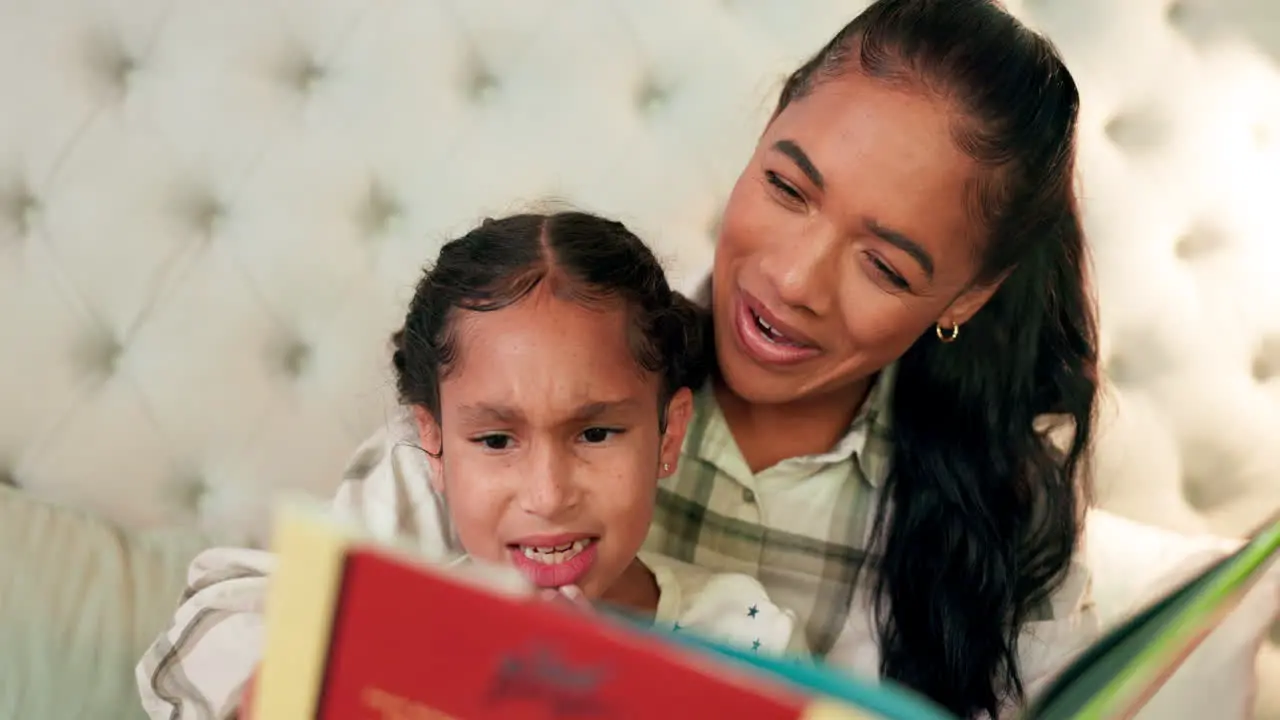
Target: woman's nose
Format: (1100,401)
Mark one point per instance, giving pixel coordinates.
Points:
(803,271)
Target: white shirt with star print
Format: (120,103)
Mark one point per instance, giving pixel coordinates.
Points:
(731,608)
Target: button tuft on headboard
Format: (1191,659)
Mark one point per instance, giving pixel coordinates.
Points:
(20,208)
(1140,352)
(189,491)
(112,61)
(123,70)
(651,96)
(207,214)
(99,353)
(305,74)
(1200,239)
(1266,361)
(481,83)
(380,211)
(1136,131)
(1193,20)
(1117,370)
(1198,495)
(295,358)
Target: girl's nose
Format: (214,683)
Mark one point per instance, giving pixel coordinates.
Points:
(548,489)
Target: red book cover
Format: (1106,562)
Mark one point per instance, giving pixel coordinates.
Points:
(356,630)
(360,630)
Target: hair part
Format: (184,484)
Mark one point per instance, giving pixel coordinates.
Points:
(576,256)
(981,514)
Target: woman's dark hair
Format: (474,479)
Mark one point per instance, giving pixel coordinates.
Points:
(578,256)
(981,514)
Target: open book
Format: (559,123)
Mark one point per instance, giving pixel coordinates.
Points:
(358,629)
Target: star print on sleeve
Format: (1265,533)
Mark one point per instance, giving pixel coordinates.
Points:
(752,612)
(735,609)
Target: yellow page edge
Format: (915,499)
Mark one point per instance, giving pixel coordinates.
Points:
(303,594)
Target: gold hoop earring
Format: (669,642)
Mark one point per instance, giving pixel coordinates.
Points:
(947,337)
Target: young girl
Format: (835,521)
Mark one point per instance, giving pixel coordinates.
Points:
(548,367)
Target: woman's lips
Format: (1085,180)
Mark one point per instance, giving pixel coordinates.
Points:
(766,339)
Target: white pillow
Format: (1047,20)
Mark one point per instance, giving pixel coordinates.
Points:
(1132,564)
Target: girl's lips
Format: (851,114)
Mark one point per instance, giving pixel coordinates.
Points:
(765,339)
(555,564)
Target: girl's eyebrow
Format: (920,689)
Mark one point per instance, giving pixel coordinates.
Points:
(481,413)
(487,413)
(593,410)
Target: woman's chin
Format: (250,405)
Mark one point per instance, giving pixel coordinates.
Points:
(754,383)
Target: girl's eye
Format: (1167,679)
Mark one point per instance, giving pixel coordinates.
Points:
(888,273)
(494,441)
(783,186)
(597,435)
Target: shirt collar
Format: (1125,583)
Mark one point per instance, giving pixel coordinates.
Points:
(870,434)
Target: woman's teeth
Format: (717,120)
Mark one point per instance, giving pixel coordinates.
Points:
(557,554)
(770,332)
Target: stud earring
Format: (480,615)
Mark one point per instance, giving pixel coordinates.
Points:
(666,467)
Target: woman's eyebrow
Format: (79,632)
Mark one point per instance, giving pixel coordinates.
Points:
(899,240)
(903,243)
(802,161)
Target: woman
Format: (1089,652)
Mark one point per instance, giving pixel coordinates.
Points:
(901,314)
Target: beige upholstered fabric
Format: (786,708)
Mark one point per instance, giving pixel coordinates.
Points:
(79,599)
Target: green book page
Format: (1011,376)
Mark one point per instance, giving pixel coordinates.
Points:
(1119,672)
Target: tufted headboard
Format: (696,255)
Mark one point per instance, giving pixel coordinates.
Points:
(213,213)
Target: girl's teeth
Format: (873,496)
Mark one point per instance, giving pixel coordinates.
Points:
(554,555)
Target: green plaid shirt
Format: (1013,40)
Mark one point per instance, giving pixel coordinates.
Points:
(801,527)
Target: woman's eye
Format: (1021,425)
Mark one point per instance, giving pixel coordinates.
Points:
(888,273)
(598,435)
(494,442)
(783,186)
